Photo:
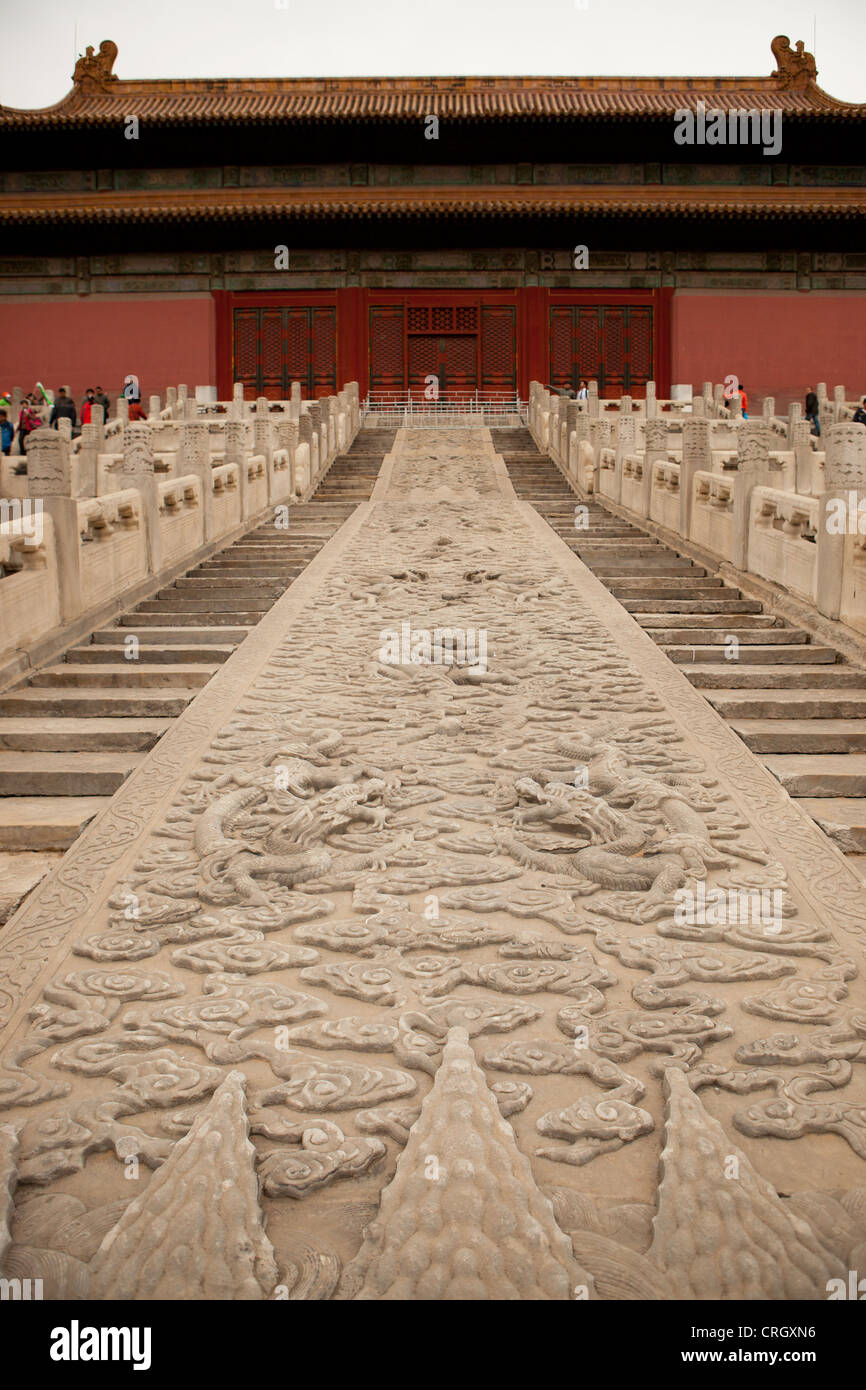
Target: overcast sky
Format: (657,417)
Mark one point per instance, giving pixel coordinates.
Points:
(300,38)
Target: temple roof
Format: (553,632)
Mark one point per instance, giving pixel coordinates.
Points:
(236,204)
(98,97)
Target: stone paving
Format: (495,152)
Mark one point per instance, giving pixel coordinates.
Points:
(448,946)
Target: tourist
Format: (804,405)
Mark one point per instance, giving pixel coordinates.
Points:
(136,409)
(63,409)
(28,421)
(811,410)
(7,432)
(87,405)
(860,412)
(102,399)
(582,390)
(744,401)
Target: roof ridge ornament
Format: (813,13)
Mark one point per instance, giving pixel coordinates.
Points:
(93,70)
(796,70)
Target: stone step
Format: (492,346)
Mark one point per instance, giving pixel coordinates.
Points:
(842,818)
(257,570)
(64,774)
(802,735)
(192,586)
(657,589)
(690,585)
(128,673)
(46,822)
(20,873)
(820,774)
(65,734)
(718,636)
(162,618)
(786,704)
(761,623)
(240,608)
(729,675)
(183,636)
(629,571)
(802,654)
(702,606)
(151,653)
(96,702)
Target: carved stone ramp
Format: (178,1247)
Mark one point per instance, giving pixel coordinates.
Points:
(448,798)
(794,701)
(71,732)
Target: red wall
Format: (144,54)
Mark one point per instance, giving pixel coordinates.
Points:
(778,344)
(88,342)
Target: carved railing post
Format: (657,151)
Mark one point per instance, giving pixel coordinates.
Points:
(195,459)
(235,452)
(262,439)
(697,456)
(49,485)
(656,448)
(752,469)
(136,469)
(625,441)
(839,510)
(314,410)
(801,444)
(795,414)
(825,408)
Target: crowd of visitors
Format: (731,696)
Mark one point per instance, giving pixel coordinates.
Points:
(39,409)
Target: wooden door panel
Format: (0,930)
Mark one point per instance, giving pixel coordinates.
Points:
(498,349)
(611,343)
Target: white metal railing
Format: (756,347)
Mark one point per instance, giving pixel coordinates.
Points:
(454,410)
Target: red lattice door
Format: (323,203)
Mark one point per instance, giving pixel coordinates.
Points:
(423,355)
(387,355)
(275,346)
(611,343)
(458,364)
(498,350)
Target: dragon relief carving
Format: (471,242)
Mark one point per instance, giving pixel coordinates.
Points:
(380,901)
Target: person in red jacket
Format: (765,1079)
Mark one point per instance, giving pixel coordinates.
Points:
(136,409)
(87,405)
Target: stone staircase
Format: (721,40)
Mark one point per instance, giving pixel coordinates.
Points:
(797,704)
(72,731)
